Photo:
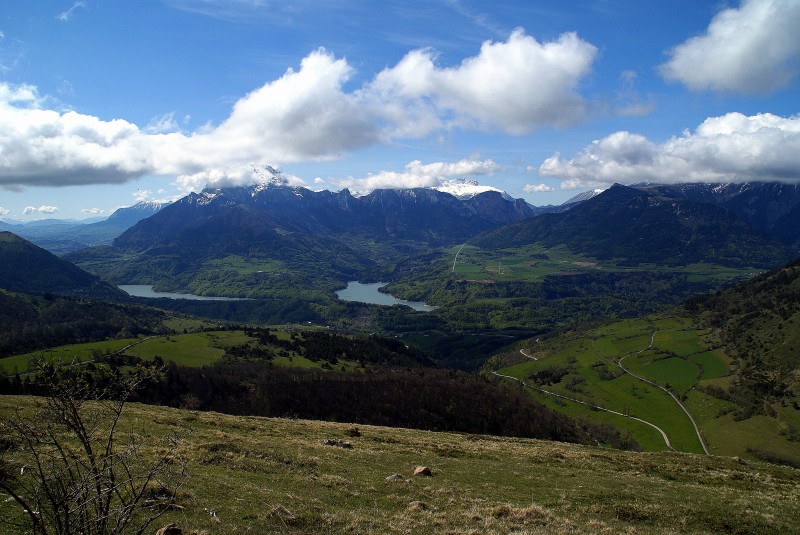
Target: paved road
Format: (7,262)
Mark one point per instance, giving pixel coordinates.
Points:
(526,355)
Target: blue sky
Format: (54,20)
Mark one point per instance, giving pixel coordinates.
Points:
(106,102)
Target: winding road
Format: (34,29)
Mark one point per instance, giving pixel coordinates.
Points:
(619,364)
(671,394)
(456,258)
(595,407)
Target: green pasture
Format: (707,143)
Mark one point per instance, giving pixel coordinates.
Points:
(534,261)
(645,436)
(179,324)
(713,364)
(681,356)
(526,263)
(624,394)
(66,353)
(679,341)
(244,266)
(195,349)
(681,375)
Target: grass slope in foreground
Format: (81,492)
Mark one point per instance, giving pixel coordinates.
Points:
(261,475)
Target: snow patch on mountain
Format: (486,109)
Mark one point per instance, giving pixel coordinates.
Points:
(466,189)
(583,196)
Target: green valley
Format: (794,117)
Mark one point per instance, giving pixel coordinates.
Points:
(642,368)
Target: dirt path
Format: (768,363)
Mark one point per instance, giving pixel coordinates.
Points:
(595,407)
(526,355)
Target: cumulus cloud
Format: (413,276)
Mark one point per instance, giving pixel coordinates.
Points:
(43,209)
(92,211)
(305,115)
(730,148)
(753,49)
(515,86)
(420,175)
(4,212)
(537,188)
(302,116)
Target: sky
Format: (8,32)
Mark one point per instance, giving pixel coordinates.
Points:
(104,103)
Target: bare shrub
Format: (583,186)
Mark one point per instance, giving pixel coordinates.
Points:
(72,469)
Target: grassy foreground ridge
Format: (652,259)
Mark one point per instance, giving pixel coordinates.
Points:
(263,475)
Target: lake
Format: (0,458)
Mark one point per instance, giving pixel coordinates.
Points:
(146,290)
(368,293)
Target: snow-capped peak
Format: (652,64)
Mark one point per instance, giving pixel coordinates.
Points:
(268,176)
(583,196)
(148,205)
(463,189)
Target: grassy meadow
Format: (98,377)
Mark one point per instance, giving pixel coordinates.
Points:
(194,349)
(533,262)
(663,351)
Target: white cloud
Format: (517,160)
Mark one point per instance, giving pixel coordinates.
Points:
(163,124)
(92,211)
(516,86)
(4,212)
(754,49)
(537,188)
(729,148)
(629,103)
(64,16)
(141,195)
(305,115)
(420,175)
(44,209)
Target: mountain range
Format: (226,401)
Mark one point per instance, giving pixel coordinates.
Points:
(635,225)
(773,207)
(301,233)
(419,214)
(63,236)
(288,237)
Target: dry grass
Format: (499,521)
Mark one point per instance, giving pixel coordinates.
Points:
(261,475)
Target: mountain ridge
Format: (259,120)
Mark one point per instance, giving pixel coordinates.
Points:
(27,268)
(638,226)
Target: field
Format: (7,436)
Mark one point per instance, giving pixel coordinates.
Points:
(662,353)
(533,262)
(68,353)
(243,266)
(258,475)
(190,349)
(525,263)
